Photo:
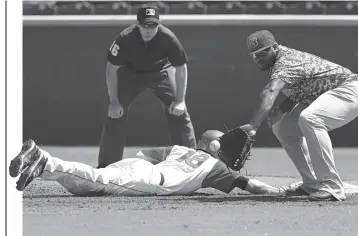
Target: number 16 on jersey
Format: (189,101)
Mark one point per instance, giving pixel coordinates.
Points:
(114,49)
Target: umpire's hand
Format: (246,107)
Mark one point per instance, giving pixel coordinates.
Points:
(177,108)
(115,110)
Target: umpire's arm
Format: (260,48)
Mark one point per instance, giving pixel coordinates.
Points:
(115,59)
(181,78)
(112,82)
(178,58)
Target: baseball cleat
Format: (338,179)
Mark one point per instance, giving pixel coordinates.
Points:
(21,161)
(322,195)
(296,192)
(35,165)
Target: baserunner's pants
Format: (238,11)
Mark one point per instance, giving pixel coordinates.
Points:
(132,176)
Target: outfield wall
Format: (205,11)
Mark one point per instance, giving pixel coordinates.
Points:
(64,89)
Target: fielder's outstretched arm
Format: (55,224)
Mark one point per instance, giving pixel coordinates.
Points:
(268,97)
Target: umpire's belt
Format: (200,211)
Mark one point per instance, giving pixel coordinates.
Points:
(161,179)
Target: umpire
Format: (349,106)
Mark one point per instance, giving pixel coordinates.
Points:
(145,56)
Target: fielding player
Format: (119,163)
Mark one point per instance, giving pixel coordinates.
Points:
(176,170)
(325,97)
(145,56)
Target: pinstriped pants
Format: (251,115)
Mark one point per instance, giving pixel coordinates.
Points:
(131,176)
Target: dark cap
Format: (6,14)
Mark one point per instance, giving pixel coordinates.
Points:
(147,14)
(260,40)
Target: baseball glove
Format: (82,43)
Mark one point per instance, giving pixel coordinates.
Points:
(235,148)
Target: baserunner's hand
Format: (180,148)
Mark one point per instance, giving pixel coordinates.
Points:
(115,110)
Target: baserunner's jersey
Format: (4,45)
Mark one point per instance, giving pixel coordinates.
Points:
(132,176)
(184,170)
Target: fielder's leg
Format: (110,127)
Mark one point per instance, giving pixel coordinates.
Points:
(331,110)
(180,127)
(291,138)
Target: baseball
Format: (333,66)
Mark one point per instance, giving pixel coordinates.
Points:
(214,145)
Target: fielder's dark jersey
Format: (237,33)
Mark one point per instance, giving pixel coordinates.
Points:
(218,177)
(307,76)
(131,51)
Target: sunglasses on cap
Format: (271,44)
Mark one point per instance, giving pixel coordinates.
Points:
(149,25)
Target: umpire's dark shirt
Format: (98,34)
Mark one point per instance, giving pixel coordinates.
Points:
(131,51)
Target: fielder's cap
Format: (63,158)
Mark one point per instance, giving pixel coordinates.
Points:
(148,14)
(260,40)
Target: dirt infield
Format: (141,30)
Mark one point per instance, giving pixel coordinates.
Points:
(50,210)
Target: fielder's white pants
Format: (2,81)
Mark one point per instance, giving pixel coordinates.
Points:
(303,133)
(130,176)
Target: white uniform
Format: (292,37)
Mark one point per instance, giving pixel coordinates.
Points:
(183,171)
(131,176)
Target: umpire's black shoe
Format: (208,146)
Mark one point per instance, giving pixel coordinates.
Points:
(30,163)
(322,195)
(101,166)
(296,192)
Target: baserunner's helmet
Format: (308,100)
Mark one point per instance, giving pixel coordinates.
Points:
(209,142)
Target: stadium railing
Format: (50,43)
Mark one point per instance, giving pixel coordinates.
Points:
(250,20)
(190,7)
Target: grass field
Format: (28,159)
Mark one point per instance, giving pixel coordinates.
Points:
(49,210)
